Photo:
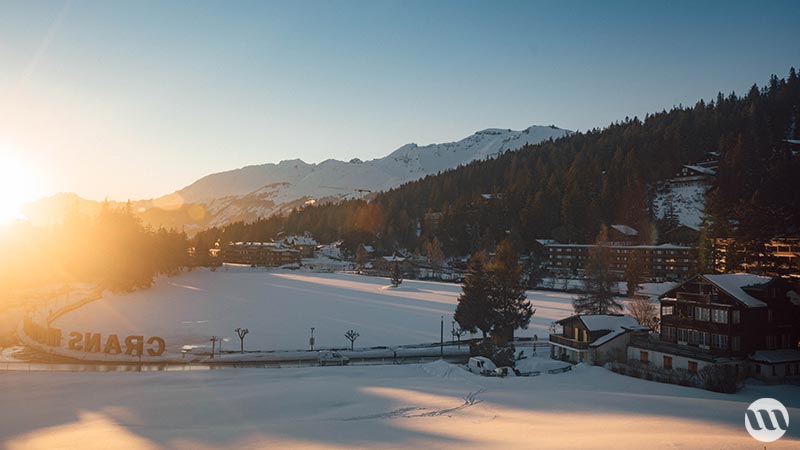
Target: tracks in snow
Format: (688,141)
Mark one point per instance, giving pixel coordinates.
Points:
(471,399)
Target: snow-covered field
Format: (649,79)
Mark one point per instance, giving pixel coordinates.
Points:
(279,307)
(430,406)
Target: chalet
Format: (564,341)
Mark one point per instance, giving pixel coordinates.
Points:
(307,246)
(384,265)
(727,318)
(267,254)
(702,172)
(622,235)
(681,235)
(594,338)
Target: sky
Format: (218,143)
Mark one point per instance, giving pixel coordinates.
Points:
(133,100)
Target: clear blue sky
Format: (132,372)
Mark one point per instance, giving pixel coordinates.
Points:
(137,99)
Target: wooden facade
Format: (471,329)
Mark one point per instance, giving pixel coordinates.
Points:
(731,315)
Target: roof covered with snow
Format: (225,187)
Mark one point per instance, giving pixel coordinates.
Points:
(617,324)
(597,322)
(299,240)
(700,169)
(626,230)
(732,284)
(776,356)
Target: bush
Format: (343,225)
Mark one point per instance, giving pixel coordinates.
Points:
(719,378)
(500,356)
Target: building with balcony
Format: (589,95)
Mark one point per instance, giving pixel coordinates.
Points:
(748,320)
(594,338)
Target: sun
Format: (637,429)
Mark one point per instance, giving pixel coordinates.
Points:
(18,186)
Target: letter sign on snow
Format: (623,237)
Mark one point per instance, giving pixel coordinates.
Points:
(160,346)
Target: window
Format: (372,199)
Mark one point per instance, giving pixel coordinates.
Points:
(683,335)
(701,314)
(719,341)
(668,334)
(735,316)
(644,357)
(719,316)
(774,370)
(758,369)
(772,342)
(668,362)
(692,367)
(736,343)
(666,310)
(769,315)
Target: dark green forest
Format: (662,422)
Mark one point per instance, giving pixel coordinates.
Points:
(567,188)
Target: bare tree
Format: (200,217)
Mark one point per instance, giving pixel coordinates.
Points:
(435,255)
(361,257)
(396,276)
(242,332)
(644,311)
(351,335)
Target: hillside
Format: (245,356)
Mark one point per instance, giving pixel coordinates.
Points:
(567,188)
(259,191)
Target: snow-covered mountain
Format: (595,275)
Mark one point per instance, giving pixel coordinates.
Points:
(260,191)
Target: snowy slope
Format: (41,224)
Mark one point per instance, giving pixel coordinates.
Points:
(257,191)
(688,202)
(430,406)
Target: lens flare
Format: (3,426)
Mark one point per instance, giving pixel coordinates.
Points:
(18,185)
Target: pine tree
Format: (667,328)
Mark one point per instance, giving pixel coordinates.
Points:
(510,306)
(599,296)
(474,311)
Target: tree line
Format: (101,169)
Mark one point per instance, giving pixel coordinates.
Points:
(113,250)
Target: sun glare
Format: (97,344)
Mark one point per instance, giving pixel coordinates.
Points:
(17,186)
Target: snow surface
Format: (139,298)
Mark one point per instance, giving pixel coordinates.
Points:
(430,406)
(688,201)
(280,306)
(732,283)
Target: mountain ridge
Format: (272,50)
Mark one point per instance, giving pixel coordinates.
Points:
(250,192)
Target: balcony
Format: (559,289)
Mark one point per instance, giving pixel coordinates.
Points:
(571,343)
(692,297)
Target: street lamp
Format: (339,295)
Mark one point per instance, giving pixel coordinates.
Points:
(311,339)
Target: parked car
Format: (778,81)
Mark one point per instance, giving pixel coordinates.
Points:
(482,366)
(330,358)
